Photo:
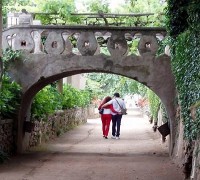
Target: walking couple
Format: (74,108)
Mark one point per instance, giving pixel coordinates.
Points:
(112,111)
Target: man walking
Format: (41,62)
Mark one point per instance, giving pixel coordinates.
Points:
(118,104)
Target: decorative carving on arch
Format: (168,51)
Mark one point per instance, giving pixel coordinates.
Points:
(23,41)
(54,43)
(117,44)
(68,44)
(87,44)
(38,42)
(148,44)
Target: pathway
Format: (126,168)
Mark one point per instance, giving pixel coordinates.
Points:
(82,154)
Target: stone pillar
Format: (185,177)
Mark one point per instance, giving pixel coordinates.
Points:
(25,18)
(12,19)
(60,86)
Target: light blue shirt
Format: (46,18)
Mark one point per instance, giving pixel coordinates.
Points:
(116,105)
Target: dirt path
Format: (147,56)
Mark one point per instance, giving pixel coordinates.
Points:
(82,154)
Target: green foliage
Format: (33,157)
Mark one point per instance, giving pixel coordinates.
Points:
(183,26)
(142,89)
(145,6)
(97,5)
(10,97)
(70,97)
(10,92)
(57,12)
(53,11)
(154,103)
(182,15)
(48,100)
(101,84)
(10,6)
(9,55)
(186,67)
(75,98)
(177,15)
(194,15)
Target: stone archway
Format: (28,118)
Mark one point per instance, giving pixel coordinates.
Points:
(39,67)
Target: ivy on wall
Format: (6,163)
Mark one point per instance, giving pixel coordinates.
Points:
(183,27)
(186,67)
(177,15)
(154,103)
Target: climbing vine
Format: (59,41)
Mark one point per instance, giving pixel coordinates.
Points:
(183,27)
(154,103)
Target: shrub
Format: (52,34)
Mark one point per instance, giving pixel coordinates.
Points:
(10,97)
(46,102)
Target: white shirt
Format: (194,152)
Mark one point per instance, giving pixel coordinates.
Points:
(115,104)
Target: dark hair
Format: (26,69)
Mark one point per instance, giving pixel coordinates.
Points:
(116,94)
(106,99)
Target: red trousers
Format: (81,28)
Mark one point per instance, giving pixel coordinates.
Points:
(106,118)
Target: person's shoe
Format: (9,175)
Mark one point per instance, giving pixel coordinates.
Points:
(117,138)
(113,137)
(106,137)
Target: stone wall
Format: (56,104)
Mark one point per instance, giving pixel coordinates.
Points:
(7,136)
(186,153)
(45,129)
(57,124)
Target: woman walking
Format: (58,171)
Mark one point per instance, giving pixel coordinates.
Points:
(106,116)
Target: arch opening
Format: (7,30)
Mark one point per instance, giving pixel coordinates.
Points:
(32,91)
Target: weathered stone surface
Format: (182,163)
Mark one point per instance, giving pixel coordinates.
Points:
(54,43)
(87,44)
(7,136)
(57,124)
(35,71)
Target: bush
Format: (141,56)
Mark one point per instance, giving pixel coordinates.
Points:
(10,92)
(75,98)
(48,100)
(10,97)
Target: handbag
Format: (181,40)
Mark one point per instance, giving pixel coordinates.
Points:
(101,111)
(123,110)
(164,129)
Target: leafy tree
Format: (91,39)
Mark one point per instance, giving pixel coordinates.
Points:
(49,11)
(57,12)
(107,84)
(70,98)
(10,92)
(46,102)
(146,6)
(97,5)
